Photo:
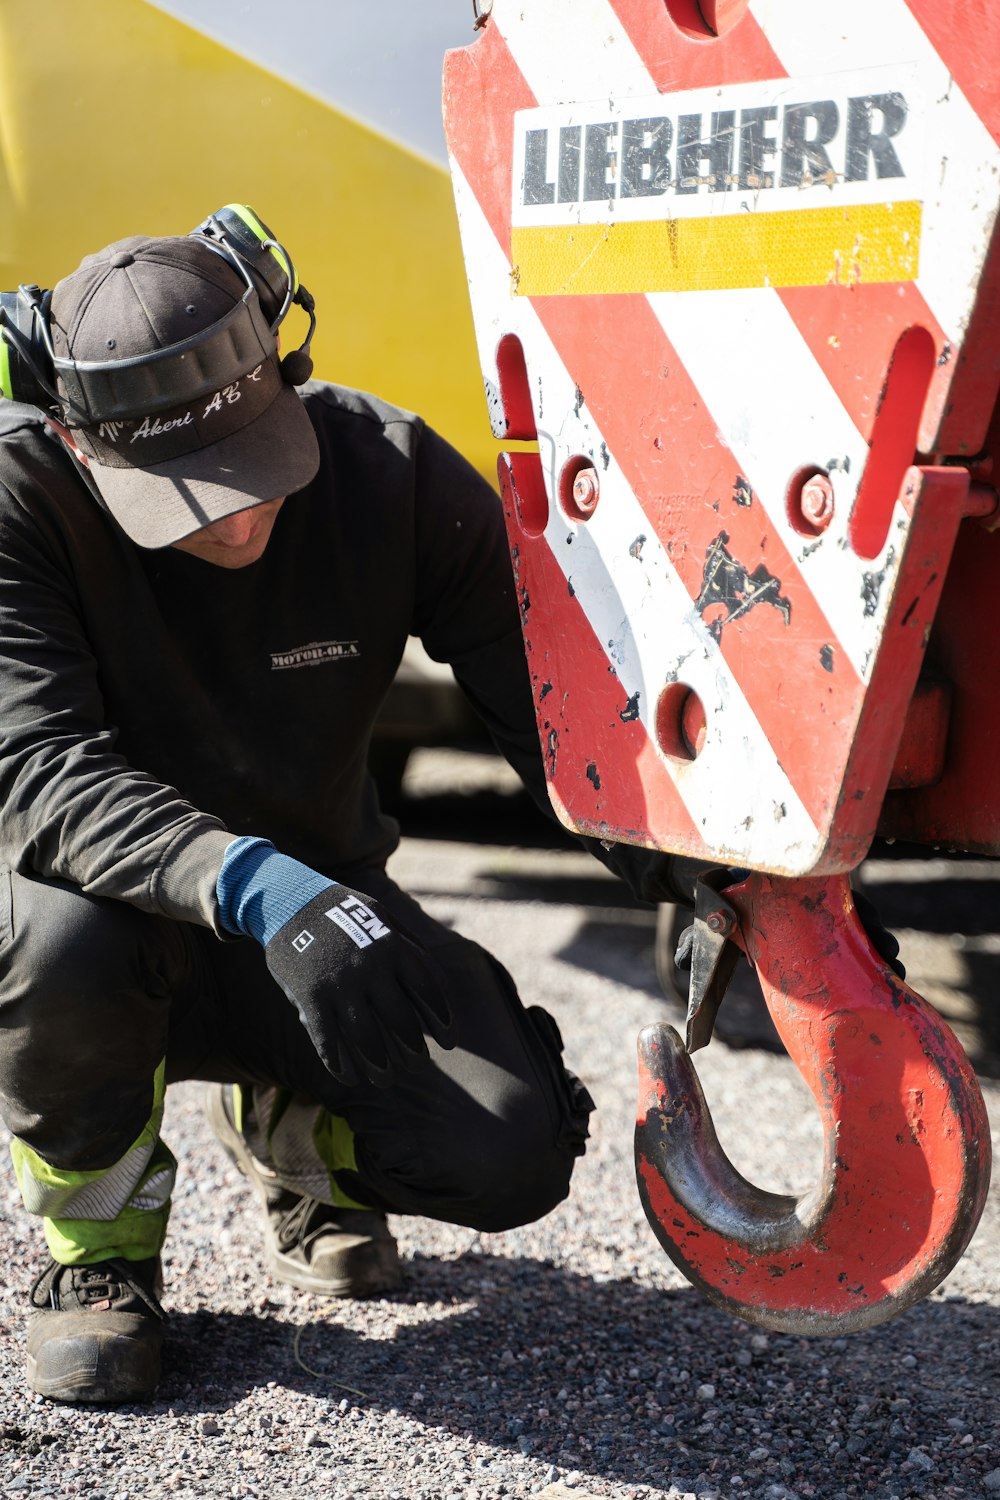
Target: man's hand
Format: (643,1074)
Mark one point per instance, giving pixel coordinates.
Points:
(367,994)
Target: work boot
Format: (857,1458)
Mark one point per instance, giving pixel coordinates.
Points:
(331,1251)
(95,1332)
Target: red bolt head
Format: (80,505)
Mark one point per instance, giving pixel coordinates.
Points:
(817,501)
(586,489)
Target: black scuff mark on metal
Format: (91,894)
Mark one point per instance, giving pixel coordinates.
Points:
(524,605)
(546,689)
(672,674)
(944,357)
(743,491)
(871,586)
(826,658)
(839,465)
(572,590)
(636,548)
(728,587)
(605,457)
(593,776)
(630,712)
(577,401)
(551,752)
(914,602)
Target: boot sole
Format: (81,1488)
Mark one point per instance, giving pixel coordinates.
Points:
(366,1281)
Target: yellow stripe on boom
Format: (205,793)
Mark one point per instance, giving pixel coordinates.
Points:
(842,246)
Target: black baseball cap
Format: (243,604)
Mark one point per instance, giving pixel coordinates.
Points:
(245,440)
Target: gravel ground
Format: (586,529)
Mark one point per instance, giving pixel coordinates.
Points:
(565,1359)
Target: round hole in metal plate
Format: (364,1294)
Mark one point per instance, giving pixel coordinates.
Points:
(704,19)
(680,722)
(579,487)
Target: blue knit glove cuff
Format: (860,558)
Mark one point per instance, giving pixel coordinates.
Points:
(259,890)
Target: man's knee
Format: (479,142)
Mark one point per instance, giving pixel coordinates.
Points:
(495,1179)
(524,1177)
(531,1159)
(489,1134)
(492,1157)
(62,943)
(83,1022)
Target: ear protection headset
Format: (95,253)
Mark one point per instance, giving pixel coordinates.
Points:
(111,390)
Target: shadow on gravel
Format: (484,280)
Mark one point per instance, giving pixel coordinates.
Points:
(626,1380)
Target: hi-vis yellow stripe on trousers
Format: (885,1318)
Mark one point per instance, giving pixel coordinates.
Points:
(121,1210)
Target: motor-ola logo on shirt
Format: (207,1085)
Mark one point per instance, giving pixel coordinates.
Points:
(358,921)
(314,654)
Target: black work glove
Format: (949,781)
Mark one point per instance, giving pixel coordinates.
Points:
(365,991)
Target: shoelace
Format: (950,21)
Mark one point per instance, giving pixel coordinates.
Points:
(94,1284)
(296,1222)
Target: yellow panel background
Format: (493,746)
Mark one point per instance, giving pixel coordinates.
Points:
(117,119)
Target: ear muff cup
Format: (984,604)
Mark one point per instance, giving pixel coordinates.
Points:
(246,233)
(22,350)
(254,242)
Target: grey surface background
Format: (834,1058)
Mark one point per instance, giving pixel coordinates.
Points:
(379,62)
(567,1358)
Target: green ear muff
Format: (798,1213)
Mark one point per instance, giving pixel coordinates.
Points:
(238,227)
(242,213)
(250,237)
(6,382)
(26,372)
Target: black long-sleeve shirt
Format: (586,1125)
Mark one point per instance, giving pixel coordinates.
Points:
(153,706)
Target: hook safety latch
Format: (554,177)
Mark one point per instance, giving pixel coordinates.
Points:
(713,954)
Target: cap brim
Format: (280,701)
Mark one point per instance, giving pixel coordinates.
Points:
(275,455)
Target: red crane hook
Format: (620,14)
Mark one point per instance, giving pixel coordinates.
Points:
(906,1140)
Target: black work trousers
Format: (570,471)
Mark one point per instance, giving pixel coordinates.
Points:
(94,994)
